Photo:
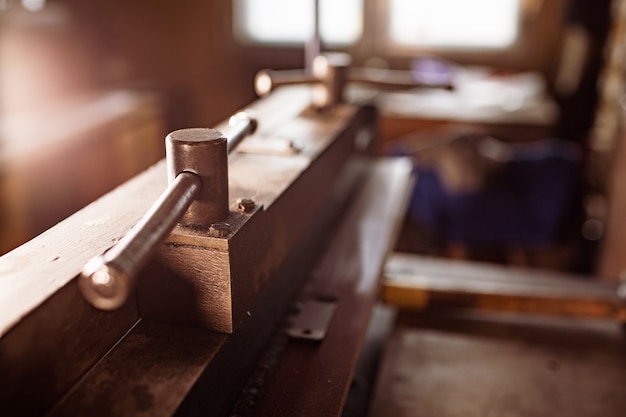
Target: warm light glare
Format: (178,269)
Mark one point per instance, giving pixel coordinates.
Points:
(34,5)
(101,278)
(291,21)
(454,23)
(263,83)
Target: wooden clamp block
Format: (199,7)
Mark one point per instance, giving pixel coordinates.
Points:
(210,278)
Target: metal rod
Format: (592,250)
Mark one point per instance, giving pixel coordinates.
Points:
(267,80)
(106,281)
(313,47)
(241,124)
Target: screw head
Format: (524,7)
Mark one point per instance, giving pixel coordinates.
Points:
(219,230)
(245,205)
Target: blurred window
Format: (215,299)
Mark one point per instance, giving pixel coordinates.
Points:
(455,24)
(291,21)
(397,24)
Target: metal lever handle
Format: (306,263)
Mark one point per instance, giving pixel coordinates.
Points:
(197,196)
(330,73)
(241,124)
(267,80)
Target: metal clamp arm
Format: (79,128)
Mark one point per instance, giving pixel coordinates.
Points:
(106,281)
(197,196)
(330,74)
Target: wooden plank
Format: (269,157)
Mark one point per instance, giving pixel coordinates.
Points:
(43,356)
(148,374)
(32,273)
(495,364)
(47,331)
(416,282)
(313,379)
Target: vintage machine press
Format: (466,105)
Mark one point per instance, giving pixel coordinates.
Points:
(238,276)
(240,270)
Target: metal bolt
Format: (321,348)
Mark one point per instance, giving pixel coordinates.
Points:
(245,205)
(219,230)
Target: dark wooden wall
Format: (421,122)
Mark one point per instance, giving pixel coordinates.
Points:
(184,50)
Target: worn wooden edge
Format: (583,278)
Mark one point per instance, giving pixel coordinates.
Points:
(48,331)
(33,272)
(42,358)
(147,374)
(417,282)
(314,379)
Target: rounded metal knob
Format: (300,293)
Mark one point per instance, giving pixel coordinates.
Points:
(202,152)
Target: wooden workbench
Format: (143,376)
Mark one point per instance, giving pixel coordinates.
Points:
(475,339)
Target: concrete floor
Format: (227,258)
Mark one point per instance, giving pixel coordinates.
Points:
(484,365)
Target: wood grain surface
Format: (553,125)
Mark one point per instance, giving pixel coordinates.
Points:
(313,379)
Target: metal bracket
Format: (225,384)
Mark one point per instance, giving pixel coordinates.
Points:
(312,320)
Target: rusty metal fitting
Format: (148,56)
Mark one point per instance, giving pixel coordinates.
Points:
(219,230)
(245,205)
(331,69)
(197,196)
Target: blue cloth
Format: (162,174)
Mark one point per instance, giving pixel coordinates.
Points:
(528,202)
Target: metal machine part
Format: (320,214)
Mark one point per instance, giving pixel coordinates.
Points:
(201,152)
(210,279)
(329,75)
(107,281)
(312,319)
(197,196)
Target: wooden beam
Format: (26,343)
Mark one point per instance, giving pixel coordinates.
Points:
(416,282)
(313,379)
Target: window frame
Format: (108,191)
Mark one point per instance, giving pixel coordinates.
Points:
(540,31)
(243,36)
